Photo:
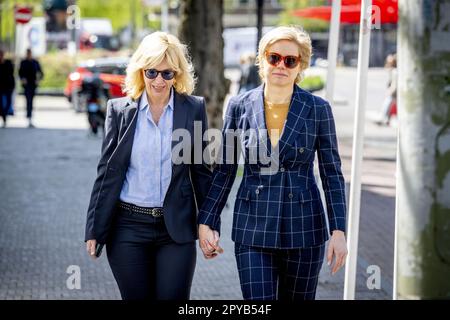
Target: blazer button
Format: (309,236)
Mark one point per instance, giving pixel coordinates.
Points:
(282,169)
(290,195)
(257,191)
(301,150)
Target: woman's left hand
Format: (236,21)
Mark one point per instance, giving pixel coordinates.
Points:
(337,247)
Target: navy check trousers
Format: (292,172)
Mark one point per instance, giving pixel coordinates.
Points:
(279,274)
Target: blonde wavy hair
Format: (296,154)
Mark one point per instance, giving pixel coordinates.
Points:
(290,33)
(152,50)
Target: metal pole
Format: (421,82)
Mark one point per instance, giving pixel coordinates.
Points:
(165,16)
(423,183)
(73,24)
(358,139)
(17,58)
(333,48)
(397,173)
(11,27)
(259,22)
(1,22)
(133,22)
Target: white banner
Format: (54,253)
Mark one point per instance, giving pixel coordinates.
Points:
(31,35)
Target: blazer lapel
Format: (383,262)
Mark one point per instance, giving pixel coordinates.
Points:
(298,111)
(127,128)
(129,120)
(179,113)
(257,101)
(179,118)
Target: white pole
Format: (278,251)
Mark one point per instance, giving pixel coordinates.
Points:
(397,181)
(358,137)
(165,16)
(19,41)
(73,23)
(333,48)
(17,57)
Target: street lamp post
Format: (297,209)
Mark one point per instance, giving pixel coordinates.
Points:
(73,24)
(358,139)
(260,18)
(165,16)
(1,16)
(333,49)
(133,21)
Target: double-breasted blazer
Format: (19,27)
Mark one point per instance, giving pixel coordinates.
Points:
(283,209)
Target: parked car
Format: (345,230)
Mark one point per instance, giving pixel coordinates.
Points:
(110,70)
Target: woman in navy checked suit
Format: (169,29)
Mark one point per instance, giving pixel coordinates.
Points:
(279,222)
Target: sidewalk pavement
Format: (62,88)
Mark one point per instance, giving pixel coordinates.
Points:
(46,178)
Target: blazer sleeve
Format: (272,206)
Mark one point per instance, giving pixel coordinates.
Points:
(224,173)
(39,73)
(330,170)
(201,172)
(22,74)
(108,146)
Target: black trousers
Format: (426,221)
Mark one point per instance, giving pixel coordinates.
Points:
(146,262)
(5,103)
(30,91)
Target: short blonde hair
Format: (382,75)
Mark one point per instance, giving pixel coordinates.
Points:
(291,33)
(152,50)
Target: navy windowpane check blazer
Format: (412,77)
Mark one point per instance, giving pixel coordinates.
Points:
(281,210)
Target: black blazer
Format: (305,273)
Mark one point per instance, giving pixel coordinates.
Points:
(189,183)
(7,82)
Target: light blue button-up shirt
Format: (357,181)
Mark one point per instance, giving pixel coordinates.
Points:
(150,170)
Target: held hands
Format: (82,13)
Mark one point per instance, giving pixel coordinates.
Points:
(209,241)
(90,247)
(337,248)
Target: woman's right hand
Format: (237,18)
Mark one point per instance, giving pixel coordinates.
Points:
(90,247)
(209,241)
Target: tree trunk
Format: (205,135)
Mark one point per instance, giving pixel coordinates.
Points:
(423,179)
(201,29)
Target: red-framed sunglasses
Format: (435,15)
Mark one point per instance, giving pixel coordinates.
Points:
(274,59)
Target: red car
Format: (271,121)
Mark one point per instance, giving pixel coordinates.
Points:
(111,70)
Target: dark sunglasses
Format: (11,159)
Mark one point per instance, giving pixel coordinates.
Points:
(274,59)
(165,74)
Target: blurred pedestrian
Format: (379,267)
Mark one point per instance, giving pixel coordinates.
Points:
(279,224)
(143,206)
(30,73)
(249,73)
(7,85)
(391,98)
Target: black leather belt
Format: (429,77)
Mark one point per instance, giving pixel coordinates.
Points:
(155,212)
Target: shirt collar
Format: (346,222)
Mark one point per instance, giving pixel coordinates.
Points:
(144,102)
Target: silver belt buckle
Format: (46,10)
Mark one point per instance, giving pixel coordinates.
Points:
(156,212)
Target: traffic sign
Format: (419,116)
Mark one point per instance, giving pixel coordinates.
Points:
(23,15)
